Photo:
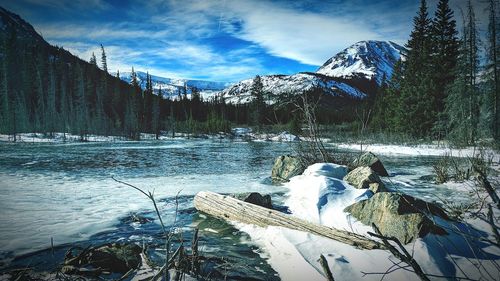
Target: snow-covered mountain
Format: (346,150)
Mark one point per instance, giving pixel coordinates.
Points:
(289,84)
(171,87)
(353,74)
(365,59)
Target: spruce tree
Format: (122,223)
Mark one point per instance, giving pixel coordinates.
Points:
(104,62)
(462,107)
(257,105)
(445,46)
(493,67)
(93,60)
(415,114)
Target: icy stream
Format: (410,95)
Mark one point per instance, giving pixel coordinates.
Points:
(65,192)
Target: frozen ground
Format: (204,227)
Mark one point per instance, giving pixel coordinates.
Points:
(418,150)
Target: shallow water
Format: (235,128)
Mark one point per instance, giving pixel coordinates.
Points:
(65,192)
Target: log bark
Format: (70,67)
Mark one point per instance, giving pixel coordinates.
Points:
(231,209)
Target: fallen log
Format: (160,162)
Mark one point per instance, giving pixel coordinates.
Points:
(231,209)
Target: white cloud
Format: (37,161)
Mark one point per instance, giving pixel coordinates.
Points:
(195,60)
(303,36)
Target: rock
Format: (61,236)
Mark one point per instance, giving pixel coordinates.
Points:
(285,167)
(256,199)
(398,215)
(365,177)
(285,137)
(369,159)
(117,257)
(327,170)
(239,132)
(109,257)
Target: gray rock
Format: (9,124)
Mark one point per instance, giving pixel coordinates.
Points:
(285,167)
(109,257)
(398,215)
(256,199)
(369,159)
(365,177)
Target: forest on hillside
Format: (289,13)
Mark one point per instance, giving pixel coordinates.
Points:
(445,88)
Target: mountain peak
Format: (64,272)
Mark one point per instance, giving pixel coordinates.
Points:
(365,59)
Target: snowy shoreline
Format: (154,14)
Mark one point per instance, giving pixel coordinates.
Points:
(236,133)
(419,150)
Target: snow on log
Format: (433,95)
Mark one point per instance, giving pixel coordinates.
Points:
(231,209)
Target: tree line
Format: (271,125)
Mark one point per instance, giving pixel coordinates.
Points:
(442,89)
(46,89)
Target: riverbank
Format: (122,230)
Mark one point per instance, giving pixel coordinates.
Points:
(236,133)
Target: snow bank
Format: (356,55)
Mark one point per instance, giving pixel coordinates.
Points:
(430,150)
(285,137)
(319,195)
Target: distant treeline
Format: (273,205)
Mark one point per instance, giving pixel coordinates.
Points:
(46,89)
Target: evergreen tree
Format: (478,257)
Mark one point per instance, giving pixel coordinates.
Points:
(472,47)
(462,108)
(104,62)
(155,122)
(258,105)
(93,60)
(445,47)
(4,96)
(415,114)
(148,104)
(493,67)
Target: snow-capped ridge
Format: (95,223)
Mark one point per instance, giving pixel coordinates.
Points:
(277,85)
(365,59)
(172,87)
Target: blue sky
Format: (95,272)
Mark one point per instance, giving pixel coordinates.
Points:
(219,40)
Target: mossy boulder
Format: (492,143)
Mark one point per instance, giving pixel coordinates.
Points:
(398,215)
(370,160)
(285,167)
(364,177)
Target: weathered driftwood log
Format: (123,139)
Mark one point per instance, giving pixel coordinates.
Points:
(231,209)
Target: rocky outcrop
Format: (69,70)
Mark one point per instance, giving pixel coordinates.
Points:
(256,199)
(398,215)
(369,159)
(285,167)
(365,177)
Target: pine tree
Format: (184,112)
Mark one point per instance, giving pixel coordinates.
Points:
(148,103)
(462,107)
(80,104)
(493,67)
(445,46)
(93,60)
(4,96)
(258,105)
(472,45)
(155,122)
(104,62)
(415,114)
(51,116)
